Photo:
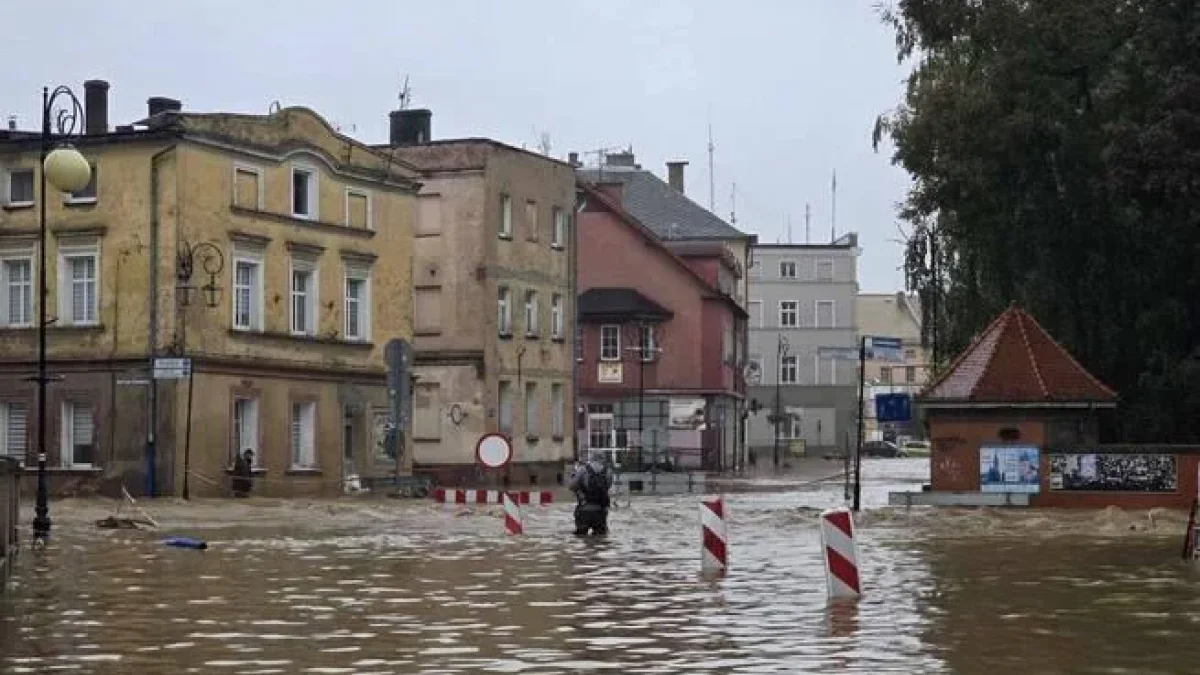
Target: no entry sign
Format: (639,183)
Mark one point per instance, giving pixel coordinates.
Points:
(493,451)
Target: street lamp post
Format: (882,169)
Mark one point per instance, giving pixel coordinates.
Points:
(781,349)
(68,171)
(212,261)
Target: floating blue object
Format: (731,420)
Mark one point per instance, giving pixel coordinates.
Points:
(186,542)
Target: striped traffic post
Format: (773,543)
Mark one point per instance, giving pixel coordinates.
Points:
(841,554)
(512,515)
(714,554)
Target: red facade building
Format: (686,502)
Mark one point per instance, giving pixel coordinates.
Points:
(660,338)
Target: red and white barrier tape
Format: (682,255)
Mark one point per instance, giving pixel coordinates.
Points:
(454,496)
(714,554)
(841,553)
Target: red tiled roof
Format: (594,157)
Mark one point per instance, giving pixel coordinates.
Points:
(1014,360)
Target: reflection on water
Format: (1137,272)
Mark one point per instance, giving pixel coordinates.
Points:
(372,587)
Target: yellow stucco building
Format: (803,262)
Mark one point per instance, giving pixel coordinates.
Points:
(300,244)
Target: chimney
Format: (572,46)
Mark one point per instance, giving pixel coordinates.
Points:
(675,175)
(12,122)
(95,107)
(573,159)
(161,104)
(410,127)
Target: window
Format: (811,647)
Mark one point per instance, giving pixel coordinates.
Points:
(789,425)
(787,269)
(506,216)
(304,193)
(247,186)
(826,370)
(358,305)
(78,279)
(824,270)
(358,209)
(304,297)
(789,314)
(13,429)
(558,238)
(788,371)
(304,423)
(20,187)
(78,447)
(826,316)
(531,221)
(556,316)
(506,405)
(245,429)
(531,411)
(910,353)
(504,312)
(88,194)
(556,410)
(647,347)
(610,343)
(427,310)
(247,292)
(727,344)
(910,374)
(531,313)
(16,290)
(885,374)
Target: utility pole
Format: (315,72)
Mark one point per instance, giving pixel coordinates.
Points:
(807,223)
(781,351)
(833,216)
(862,369)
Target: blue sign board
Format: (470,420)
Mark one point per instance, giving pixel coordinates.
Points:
(883,349)
(893,407)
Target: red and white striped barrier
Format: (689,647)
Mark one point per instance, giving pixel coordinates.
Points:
(841,553)
(512,515)
(714,553)
(453,496)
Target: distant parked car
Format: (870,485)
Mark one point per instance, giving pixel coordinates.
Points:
(881,449)
(916,449)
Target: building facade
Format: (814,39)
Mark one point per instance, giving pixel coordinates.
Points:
(896,315)
(298,241)
(494,304)
(803,348)
(659,344)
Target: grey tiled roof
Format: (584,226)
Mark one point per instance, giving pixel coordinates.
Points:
(669,214)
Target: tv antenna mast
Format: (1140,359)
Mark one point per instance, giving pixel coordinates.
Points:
(405,94)
(712,183)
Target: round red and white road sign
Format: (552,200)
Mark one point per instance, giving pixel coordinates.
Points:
(494,451)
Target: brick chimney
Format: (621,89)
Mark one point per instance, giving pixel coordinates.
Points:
(675,175)
(95,107)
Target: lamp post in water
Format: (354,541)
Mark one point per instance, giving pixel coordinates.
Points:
(68,171)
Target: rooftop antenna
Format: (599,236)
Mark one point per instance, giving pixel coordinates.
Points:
(275,107)
(733,205)
(833,216)
(405,94)
(601,154)
(543,141)
(789,228)
(807,223)
(712,184)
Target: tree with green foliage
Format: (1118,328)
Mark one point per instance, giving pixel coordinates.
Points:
(1054,149)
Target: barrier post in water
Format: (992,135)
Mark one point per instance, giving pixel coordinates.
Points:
(714,553)
(840,553)
(512,515)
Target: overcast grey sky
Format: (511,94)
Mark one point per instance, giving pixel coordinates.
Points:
(791,87)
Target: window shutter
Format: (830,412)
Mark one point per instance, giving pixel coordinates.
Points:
(17,427)
(297,424)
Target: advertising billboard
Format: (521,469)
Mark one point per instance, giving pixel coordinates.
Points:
(1009,468)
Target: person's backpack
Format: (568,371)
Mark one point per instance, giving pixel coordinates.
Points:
(595,486)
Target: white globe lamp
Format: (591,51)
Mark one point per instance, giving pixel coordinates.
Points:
(67,169)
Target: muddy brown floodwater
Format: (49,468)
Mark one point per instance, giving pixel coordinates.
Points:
(391,587)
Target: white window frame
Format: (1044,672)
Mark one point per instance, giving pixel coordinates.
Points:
(67,433)
(506,216)
(557,414)
(792,426)
(69,198)
(364,304)
(312,300)
(557,312)
(832,313)
(647,347)
(358,192)
(817,269)
(7,256)
(558,236)
(248,431)
(795,313)
(795,361)
(254,258)
(531,313)
(531,410)
(817,361)
(795,269)
(260,200)
(761,309)
(66,283)
(6,431)
(615,331)
(504,311)
(314,187)
(303,413)
(8,174)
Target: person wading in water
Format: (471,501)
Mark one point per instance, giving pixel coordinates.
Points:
(590,485)
(243,469)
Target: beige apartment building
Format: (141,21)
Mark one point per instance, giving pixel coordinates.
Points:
(892,315)
(494,311)
(299,244)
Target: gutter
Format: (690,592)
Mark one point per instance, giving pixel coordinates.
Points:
(152,330)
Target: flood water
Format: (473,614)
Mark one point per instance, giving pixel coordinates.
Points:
(411,587)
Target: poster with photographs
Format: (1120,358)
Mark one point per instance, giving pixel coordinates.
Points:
(1113,473)
(1009,469)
